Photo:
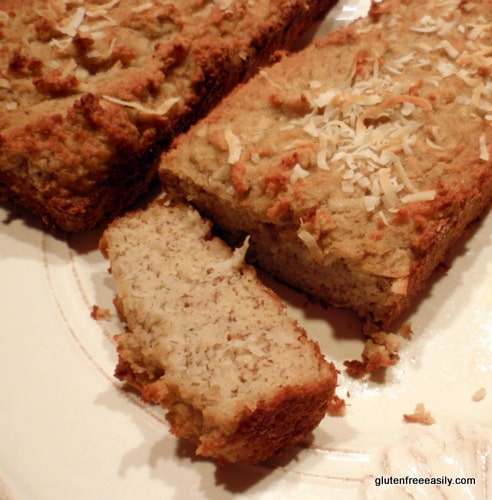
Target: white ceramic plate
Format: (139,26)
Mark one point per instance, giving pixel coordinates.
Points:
(67,431)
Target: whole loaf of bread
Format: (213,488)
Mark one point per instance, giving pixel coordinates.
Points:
(356,164)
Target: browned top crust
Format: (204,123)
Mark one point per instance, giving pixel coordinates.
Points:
(87,86)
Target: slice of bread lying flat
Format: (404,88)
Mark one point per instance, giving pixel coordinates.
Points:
(91,91)
(208,341)
(356,164)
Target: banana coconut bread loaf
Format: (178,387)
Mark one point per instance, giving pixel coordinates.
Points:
(91,90)
(208,341)
(356,164)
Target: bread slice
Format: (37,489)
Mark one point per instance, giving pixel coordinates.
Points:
(91,91)
(208,341)
(356,164)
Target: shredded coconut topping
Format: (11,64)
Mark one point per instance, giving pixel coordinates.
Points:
(361,133)
(366,130)
(90,21)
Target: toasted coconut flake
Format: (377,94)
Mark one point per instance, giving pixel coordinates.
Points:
(74,23)
(298,173)
(389,194)
(161,110)
(449,49)
(371,202)
(312,245)
(428,195)
(234,145)
(484,151)
(102,10)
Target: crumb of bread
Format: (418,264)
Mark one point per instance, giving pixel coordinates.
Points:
(480,394)
(419,416)
(406,330)
(336,407)
(100,313)
(380,351)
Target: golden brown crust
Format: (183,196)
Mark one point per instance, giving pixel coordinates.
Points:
(70,149)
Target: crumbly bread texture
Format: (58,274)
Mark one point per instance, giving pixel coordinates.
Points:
(90,91)
(356,164)
(208,341)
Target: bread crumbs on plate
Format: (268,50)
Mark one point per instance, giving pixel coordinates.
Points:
(337,407)
(100,313)
(380,351)
(419,416)
(479,395)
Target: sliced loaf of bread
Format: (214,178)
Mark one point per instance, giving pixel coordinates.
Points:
(91,91)
(208,341)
